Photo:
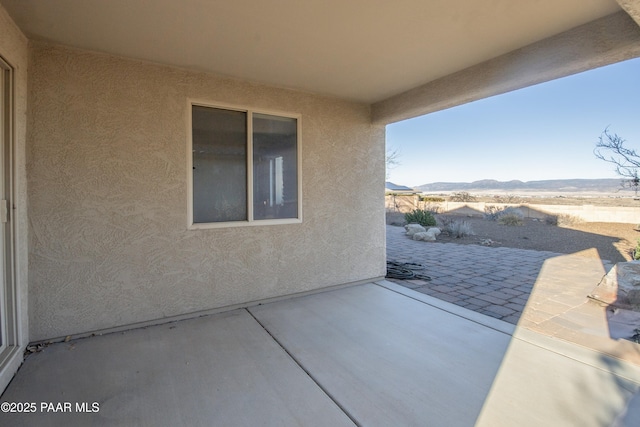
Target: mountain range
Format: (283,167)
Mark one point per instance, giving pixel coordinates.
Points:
(551,185)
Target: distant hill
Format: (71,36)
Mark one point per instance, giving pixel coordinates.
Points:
(551,185)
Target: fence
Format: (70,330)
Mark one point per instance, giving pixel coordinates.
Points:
(587,213)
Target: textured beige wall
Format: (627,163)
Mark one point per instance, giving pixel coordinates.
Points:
(109,243)
(14,49)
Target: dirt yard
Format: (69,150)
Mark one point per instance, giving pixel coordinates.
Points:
(612,241)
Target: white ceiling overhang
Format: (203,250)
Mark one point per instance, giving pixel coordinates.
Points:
(368,51)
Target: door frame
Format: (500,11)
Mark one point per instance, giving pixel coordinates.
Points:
(10,346)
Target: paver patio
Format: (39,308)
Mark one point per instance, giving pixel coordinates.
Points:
(545,292)
(495,281)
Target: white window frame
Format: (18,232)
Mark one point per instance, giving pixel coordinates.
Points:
(10,327)
(250,220)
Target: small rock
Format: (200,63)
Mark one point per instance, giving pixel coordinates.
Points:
(425,236)
(435,230)
(414,228)
(621,286)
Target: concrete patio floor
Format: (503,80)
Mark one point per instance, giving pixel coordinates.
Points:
(375,354)
(545,292)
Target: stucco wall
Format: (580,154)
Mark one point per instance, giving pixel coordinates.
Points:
(109,243)
(14,49)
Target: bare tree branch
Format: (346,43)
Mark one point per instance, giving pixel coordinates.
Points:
(391,160)
(610,148)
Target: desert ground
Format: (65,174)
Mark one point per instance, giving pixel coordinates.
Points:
(621,199)
(608,241)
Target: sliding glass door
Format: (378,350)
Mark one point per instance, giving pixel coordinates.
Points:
(8,324)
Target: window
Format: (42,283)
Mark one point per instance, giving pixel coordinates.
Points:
(245,167)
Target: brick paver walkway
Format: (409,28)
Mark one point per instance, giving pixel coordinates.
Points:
(493,281)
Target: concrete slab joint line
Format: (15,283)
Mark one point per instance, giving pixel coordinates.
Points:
(309,374)
(369,354)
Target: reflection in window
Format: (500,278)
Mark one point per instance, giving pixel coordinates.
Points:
(219,165)
(275,183)
(221,143)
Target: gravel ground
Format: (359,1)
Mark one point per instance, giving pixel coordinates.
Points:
(608,241)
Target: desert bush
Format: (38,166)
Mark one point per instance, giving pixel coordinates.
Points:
(462,196)
(562,219)
(510,210)
(507,198)
(511,219)
(442,221)
(491,212)
(566,219)
(496,213)
(420,216)
(431,199)
(458,229)
(434,209)
(635,252)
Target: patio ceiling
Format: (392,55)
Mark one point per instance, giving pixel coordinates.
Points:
(361,50)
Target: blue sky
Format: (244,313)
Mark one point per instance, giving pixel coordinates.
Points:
(547,131)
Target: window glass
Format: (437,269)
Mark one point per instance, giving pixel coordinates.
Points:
(275,167)
(219,165)
(245,167)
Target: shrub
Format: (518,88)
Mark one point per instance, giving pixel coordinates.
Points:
(495,213)
(458,229)
(566,219)
(434,209)
(507,198)
(420,216)
(562,219)
(636,251)
(511,219)
(462,196)
(430,199)
(455,227)
(443,221)
(491,212)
